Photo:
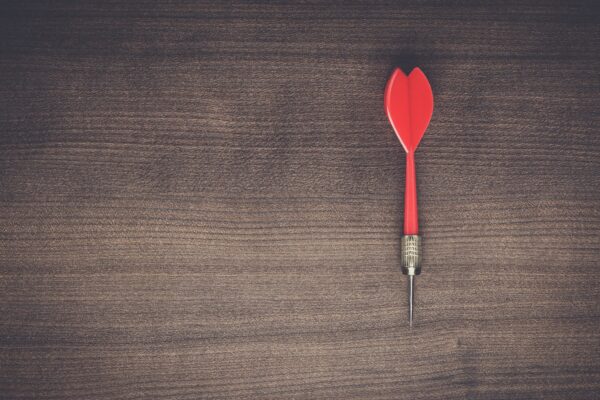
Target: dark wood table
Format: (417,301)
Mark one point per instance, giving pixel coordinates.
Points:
(205,201)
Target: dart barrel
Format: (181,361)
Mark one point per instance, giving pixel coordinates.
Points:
(410,261)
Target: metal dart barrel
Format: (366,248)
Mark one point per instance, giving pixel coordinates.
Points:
(410,262)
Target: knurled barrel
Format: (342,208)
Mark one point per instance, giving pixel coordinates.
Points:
(410,260)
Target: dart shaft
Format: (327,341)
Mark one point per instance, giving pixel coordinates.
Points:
(411,218)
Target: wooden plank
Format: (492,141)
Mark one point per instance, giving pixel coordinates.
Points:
(205,201)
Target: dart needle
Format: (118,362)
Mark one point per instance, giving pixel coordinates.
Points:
(411,298)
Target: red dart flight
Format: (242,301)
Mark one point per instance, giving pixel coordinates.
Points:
(409,104)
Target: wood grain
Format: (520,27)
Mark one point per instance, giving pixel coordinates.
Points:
(205,201)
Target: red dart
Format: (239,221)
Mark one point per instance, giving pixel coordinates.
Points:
(409,104)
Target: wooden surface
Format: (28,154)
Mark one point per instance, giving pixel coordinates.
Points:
(205,201)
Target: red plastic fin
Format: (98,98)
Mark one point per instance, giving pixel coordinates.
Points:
(409,104)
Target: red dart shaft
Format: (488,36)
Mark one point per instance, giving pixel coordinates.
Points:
(411,217)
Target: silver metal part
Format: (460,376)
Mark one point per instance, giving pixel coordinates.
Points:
(411,297)
(410,260)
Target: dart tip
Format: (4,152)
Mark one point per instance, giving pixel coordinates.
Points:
(411,298)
